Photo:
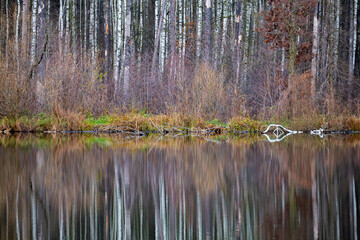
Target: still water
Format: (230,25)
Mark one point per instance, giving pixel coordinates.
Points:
(114,187)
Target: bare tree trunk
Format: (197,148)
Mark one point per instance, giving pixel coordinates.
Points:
(67,26)
(108,76)
(352,46)
(85,25)
(314,52)
(74,34)
(92,30)
(16,47)
(199,29)
(157,39)
(149,26)
(357,49)
(118,46)
(127,48)
(172,40)
(7,45)
(61,26)
(238,38)
(24,29)
(34,32)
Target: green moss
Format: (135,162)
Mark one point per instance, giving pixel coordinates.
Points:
(102,120)
(43,122)
(217,122)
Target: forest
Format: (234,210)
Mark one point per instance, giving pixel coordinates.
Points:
(214,59)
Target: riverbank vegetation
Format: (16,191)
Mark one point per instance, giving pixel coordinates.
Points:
(141,123)
(141,65)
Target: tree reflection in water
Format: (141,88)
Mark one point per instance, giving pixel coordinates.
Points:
(108,187)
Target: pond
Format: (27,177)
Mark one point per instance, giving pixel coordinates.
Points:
(72,186)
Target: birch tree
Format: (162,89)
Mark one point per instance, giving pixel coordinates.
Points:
(314,51)
(157,38)
(16,46)
(61,25)
(357,49)
(33,31)
(7,33)
(118,45)
(127,47)
(172,38)
(238,38)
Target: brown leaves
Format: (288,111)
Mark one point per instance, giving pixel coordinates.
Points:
(287,19)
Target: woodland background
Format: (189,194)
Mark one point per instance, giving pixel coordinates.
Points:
(212,58)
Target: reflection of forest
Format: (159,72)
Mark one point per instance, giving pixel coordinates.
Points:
(108,187)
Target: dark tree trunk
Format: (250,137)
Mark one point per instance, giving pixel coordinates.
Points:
(149,28)
(344,35)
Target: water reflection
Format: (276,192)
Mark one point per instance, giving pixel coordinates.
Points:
(111,187)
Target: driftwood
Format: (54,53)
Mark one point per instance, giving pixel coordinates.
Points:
(279,131)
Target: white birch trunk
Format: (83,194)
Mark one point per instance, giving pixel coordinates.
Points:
(96,27)
(80,29)
(183,49)
(118,46)
(314,52)
(85,26)
(127,47)
(67,27)
(61,25)
(7,34)
(91,30)
(24,41)
(199,29)
(34,29)
(157,10)
(217,33)
(16,47)
(352,44)
(162,50)
(238,38)
(157,38)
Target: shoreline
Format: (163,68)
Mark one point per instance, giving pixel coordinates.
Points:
(143,124)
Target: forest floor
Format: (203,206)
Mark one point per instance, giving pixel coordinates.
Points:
(141,123)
